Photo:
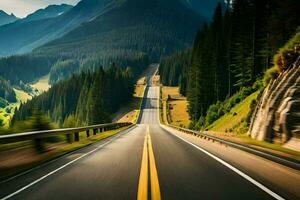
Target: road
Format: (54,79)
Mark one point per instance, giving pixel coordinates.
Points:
(150,160)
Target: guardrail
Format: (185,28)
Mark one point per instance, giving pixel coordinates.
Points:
(69,132)
(295,164)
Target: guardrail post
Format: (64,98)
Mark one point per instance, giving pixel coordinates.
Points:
(39,144)
(69,138)
(95,131)
(88,133)
(76,137)
(100,130)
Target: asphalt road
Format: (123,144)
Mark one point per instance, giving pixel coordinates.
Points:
(110,169)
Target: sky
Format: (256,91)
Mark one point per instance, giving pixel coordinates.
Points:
(22,8)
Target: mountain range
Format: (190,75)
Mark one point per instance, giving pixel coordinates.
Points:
(97,33)
(6,18)
(23,36)
(48,12)
(54,22)
(155,27)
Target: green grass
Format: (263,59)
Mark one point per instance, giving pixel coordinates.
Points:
(231,127)
(42,84)
(235,117)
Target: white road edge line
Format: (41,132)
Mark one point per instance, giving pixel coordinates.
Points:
(65,165)
(242,174)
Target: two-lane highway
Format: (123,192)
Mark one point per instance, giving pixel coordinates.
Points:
(147,158)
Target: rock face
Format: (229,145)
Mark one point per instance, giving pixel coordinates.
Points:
(277,115)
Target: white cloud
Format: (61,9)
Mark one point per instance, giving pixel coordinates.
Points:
(21,8)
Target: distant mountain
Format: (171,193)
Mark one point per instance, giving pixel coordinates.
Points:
(119,32)
(48,12)
(23,36)
(6,18)
(154,27)
(204,7)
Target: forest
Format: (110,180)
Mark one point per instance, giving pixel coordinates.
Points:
(7,94)
(35,65)
(86,98)
(231,54)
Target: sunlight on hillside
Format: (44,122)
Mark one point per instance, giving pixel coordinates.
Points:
(42,84)
(233,119)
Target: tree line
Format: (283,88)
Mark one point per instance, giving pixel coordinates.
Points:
(7,94)
(87,98)
(233,51)
(29,67)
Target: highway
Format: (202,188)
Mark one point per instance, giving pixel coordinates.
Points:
(152,161)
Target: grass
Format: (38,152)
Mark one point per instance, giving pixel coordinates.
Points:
(234,119)
(177,112)
(59,150)
(4,115)
(231,127)
(42,84)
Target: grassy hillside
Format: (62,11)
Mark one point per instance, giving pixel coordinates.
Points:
(234,120)
(38,87)
(175,107)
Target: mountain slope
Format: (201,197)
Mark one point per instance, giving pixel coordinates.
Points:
(6,18)
(155,27)
(48,12)
(204,7)
(22,36)
(125,33)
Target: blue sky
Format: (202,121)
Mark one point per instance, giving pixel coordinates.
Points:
(22,8)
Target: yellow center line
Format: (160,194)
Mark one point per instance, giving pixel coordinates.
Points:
(143,181)
(155,190)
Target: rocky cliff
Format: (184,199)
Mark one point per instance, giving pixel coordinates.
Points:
(277,115)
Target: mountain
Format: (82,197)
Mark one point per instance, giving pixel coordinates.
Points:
(204,7)
(154,27)
(23,36)
(123,33)
(48,12)
(6,18)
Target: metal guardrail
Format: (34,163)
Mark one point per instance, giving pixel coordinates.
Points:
(295,164)
(67,131)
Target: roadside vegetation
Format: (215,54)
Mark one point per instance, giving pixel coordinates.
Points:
(174,107)
(227,64)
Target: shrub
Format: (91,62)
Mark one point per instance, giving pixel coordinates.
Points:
(212,113)
(271,74)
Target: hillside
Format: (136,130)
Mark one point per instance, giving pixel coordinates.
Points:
(127,33)
(277,115)
(6,18)
(23,36)
(235,119)
(204,7)
(156,27)
(230,55)
(100,94)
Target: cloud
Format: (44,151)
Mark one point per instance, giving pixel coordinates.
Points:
(21,8)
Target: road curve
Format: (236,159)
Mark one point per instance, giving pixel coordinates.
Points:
(110,169)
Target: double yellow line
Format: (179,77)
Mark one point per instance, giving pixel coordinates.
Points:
(148,164)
